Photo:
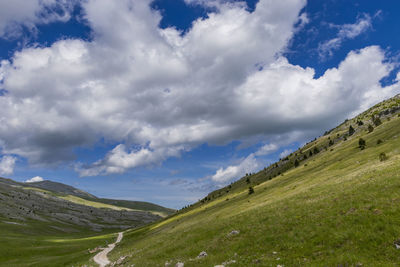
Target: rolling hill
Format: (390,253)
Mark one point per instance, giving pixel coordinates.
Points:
(333,202)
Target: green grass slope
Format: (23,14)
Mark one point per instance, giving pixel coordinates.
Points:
(138,205)
(33,243)
(338,207)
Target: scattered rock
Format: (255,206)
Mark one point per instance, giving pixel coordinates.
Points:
(279,265)
(202,254)
(377,211)
(167,263)
(94,250)
(180,264)
(228,262)
(219,265)
(234,232)
(397,244)
(121,260)
(274,252)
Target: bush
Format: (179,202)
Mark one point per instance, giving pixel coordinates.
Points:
(361,143)
(351,130)
(360,123)
(330,143)
(296,163)
(382,156)
(379,142)
(376,120)
(248,180)
(370,128)
(251,190)
(316,150)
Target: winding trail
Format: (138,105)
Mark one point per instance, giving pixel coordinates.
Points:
(101,257)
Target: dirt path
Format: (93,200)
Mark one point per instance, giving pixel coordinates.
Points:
(101,257)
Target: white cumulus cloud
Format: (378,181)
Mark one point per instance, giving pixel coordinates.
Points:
(248,165)
(35,179)
(157,93)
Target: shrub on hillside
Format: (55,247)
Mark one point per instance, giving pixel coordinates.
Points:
(382,156)
(251,190)
(379,142)
(361,143)
(370,128)
(351,130)
(360,123)
(296,163)
(376,120)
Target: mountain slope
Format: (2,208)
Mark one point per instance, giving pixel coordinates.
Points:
(61,188)
(339,207)
(66,190)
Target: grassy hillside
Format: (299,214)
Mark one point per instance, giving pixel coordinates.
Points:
(339,207)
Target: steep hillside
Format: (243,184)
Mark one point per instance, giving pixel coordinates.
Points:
(333,202)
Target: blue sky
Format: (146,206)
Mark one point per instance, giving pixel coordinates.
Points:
(166,100)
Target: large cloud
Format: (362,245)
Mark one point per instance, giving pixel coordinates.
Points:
(158,93)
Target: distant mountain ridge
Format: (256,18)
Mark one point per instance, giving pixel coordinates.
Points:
(70,190)
(68,208)
(61,188)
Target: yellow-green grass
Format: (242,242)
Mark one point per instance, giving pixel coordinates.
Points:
(86,202)
(94,204)
(342,209)
(77,200)
(34,243)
